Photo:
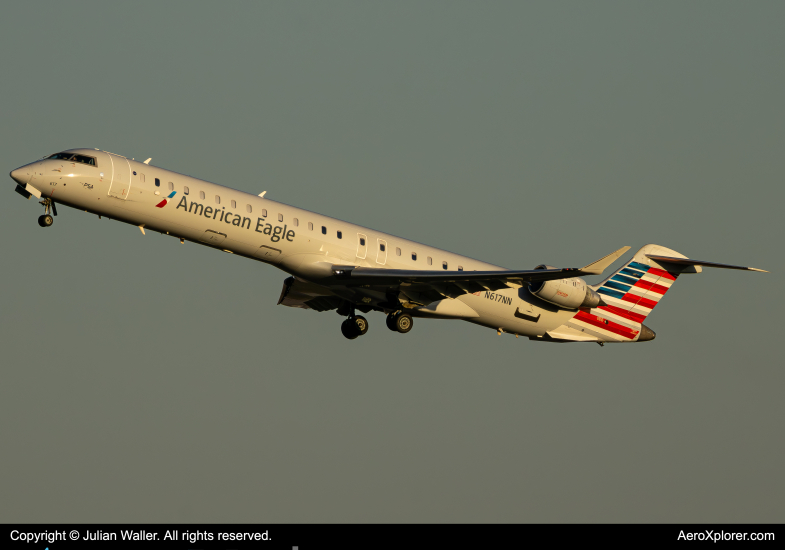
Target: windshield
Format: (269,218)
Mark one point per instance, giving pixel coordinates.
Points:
(73,158)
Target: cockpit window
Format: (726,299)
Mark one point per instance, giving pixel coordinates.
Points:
(83,159)
(62,156)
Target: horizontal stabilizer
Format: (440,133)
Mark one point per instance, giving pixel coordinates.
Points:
(595,268)
(687,261)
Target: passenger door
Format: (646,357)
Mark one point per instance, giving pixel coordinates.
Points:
(121,177)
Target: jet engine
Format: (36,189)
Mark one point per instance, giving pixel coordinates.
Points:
(571,293)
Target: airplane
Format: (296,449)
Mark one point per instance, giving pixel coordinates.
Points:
(336,265)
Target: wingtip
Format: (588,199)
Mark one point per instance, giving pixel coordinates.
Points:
(596,268)
(756,269)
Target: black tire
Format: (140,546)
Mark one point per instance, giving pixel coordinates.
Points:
(391,322)
(362,324)
(349,329)
(403,323)
(46,220)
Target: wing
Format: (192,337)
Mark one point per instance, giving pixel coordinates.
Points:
(424,287)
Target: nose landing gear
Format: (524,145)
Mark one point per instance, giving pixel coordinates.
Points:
(47,220)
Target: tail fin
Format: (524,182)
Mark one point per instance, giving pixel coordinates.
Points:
(630,295)
(635,289)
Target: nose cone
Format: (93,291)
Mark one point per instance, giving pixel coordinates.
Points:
(646,334)
(20,176)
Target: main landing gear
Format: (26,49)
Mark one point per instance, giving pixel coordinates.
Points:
(398,321)
(47,220)
(354,326)
(357,325)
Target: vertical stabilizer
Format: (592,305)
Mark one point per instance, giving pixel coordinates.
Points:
(634,290)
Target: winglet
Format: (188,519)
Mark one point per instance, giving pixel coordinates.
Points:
(595,268)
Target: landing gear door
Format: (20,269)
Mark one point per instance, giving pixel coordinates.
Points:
(121,177)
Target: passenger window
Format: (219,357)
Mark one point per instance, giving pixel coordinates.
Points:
(185,190)
(397,251)
(362,241)
(430,260)
(324,230)
(217,199)
(310,226)
(234,203)
(444,265)
(280,217)
(201,195)
(414,256)
(171,185)
(264,212)
(296,222)
(382,247)
(141,177)
(340,235)
(248,208)
(157,182)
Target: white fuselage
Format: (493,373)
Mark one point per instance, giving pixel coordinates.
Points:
(303,243)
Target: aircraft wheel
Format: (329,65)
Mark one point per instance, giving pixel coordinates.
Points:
(391,321)
(46,220)
(349,329)
(362,324)
(403,323)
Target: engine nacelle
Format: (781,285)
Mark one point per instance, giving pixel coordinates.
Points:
(571,293)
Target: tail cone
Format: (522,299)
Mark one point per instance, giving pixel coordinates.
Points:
(646,334)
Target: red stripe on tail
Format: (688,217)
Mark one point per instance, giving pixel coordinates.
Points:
(661,273)
(646,285)
(635,299)
(631,315)
(605,324)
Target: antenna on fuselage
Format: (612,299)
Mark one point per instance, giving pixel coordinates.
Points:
(262,193)
(148,160)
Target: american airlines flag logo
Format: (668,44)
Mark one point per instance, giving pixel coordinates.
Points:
(163,202)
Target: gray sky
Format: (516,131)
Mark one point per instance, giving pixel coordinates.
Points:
(143,380)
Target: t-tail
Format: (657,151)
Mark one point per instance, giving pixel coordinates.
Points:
(631,293)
